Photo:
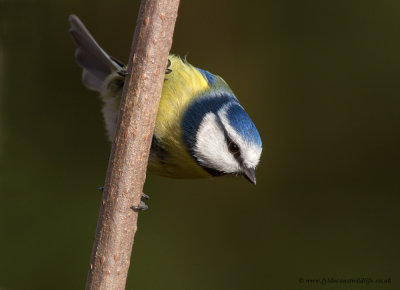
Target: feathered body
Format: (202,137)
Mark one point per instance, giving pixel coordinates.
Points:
(168,154)
(199,118)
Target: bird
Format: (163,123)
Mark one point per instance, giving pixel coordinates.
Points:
(201,129)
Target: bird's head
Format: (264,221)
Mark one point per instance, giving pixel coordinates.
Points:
(221,136)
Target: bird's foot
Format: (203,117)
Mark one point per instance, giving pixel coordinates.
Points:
(144,197)
(122,72)
(168,70)
(142,205)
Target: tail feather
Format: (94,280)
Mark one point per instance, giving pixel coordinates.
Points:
(94,61)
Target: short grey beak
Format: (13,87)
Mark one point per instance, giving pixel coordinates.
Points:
(250,174)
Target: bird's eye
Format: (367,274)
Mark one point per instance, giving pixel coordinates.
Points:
(233,148)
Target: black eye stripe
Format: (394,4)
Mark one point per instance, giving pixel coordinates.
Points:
(232,146)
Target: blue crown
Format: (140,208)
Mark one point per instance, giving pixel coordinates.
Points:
(241,122)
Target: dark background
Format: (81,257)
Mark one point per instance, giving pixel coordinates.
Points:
(320,79)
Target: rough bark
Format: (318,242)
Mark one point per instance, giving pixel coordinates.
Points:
(117,223)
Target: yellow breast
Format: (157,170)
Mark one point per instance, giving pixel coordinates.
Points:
(169,156)
(180,88)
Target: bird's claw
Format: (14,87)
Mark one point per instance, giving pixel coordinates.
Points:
(168,70)
(144,197)
(142,206)
(122,72)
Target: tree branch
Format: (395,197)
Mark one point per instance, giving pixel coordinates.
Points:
(117,223)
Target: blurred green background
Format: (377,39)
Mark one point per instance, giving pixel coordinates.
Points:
(320,80)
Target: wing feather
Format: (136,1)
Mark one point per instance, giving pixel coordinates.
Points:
(94,61)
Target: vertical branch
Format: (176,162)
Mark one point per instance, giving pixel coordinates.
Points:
(126,172)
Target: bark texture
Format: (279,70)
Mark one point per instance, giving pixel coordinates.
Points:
(117,223)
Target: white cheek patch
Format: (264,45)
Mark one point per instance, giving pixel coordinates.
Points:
(211,149)
(251,155)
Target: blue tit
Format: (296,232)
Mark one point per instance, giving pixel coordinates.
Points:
(201,129)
